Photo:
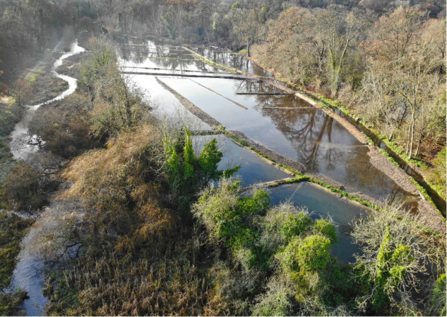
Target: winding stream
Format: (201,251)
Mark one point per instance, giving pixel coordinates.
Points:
(20,145)
(28,273)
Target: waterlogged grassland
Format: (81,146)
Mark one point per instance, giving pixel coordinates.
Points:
(12,230)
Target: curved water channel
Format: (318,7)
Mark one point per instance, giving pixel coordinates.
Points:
(28,273)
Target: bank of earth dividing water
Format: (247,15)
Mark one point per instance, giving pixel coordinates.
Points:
(28,273)
(224,100)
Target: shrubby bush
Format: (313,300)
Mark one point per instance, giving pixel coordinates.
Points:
(26,188)
(64,126)
(188,174)
(398,260)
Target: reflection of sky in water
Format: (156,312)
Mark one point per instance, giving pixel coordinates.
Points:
(236,61)
(253,169)
(167,57)
(322,204)
(165,104)
(304,134)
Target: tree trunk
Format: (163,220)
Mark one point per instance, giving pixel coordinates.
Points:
(418,147)
(411,135)
(248,48)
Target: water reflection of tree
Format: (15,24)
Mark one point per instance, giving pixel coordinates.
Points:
(305,129)
(233,60)
(253,86)
(165,57)
(361,174)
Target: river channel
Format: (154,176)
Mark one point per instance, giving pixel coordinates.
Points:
(28,273)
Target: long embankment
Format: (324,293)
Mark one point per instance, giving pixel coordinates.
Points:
(430,217)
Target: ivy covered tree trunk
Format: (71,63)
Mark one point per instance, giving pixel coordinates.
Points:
(188,174)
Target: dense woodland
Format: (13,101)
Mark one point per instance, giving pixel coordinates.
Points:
(129,224)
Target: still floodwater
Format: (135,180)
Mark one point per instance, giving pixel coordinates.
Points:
(283,123)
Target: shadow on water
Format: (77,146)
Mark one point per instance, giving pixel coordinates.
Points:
(322,204)
(28,273)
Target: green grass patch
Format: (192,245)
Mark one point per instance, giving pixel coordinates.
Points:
(35,74)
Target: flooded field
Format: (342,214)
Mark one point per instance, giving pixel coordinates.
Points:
(281,122)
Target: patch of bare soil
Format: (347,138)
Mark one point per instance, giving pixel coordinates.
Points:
(430,217)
